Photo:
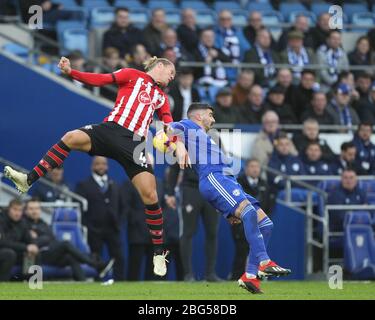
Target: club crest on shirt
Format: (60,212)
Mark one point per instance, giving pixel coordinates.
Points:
(144,97)
(236,192)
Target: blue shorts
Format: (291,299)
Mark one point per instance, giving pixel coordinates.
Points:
(224,193)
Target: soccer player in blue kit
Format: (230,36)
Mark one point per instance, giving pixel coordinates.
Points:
(219,187)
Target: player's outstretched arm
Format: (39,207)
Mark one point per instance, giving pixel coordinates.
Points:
(92,79)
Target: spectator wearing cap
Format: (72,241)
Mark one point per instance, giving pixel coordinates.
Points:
(362,54)
(152,34)
(207,52)
(314,164)
(122,35)
(365,155)
(301,24)
(301,95)
(297,55)
(320,32)
(310,134)
(264,141)
(276,101)
(182,94)
(262,54)
(255,23)
(224,111)
(348,78)
(241,89)
(188,31)
(366,106)
(333,58)
(318,109)
(252,111)
(340,108)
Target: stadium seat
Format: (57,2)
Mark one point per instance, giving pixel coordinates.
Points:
(131,4)
(193,4)
(208,93)
(259,6)
(272,20)
(101,17)
(90,4)
(16,49)
(287,8)
(66,215)
(221,5)
(239,18)
(358,218)
(161,4)
(359,252)
(173,16)
(206,17)
(67,3)
(139,17)
(362,20)
(310,16)
(320,7)
(75,39)
(61,26)
(351,8)
(297,195)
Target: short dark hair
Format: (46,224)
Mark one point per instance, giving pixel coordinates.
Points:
(313,143)
(15,202)
(33,199)
(349,168)
(119,9)
(199,106)
(308,71)
(248,161)
(347,145)
(365,124)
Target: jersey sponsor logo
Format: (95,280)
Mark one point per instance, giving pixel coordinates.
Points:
(236,192)
(88,127)
(144,97)
(189,208)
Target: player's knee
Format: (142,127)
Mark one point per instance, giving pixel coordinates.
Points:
(149,196)
(69,138)
(240,208)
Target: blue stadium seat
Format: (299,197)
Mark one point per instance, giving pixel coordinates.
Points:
(358,217)
(206,17)
(297,195)
(221,5)
(239,18)
(173,16)
(90,4)
(259,6)
(208,93)
(194,4)
(161,4)
(61,26)
(101,17)
(139,17)
(351,8)
(131,4)
(359,252)
(363,20)
(65,215)
(319,8)
(287,8)
(310,16)
(75,39)
(272,20)
(67,3)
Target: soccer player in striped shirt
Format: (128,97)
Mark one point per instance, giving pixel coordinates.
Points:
(119,137)
(219,187)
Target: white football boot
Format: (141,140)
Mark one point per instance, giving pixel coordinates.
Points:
(160,264)
(18,178)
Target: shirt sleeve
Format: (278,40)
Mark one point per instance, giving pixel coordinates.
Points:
(93,79)
(176,129)
(164,112)
(122,76)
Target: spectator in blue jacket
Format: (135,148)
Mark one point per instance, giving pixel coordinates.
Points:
(365,155)
(282,160)
(231,40)
(348,192)
(313,163)
(346,160)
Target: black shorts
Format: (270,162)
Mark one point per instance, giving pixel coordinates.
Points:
(108,139)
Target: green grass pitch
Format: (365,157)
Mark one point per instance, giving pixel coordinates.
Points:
(186,291)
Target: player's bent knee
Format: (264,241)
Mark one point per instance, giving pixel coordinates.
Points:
(77,140)
(149,196)
(240,208)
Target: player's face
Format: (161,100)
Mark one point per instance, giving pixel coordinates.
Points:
(208,119)
(167,74)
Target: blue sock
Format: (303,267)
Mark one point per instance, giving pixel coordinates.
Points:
(253,236)
(265,226)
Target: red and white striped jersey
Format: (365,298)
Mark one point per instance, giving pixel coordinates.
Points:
(137,99)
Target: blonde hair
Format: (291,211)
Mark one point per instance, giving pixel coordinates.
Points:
(152,62)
